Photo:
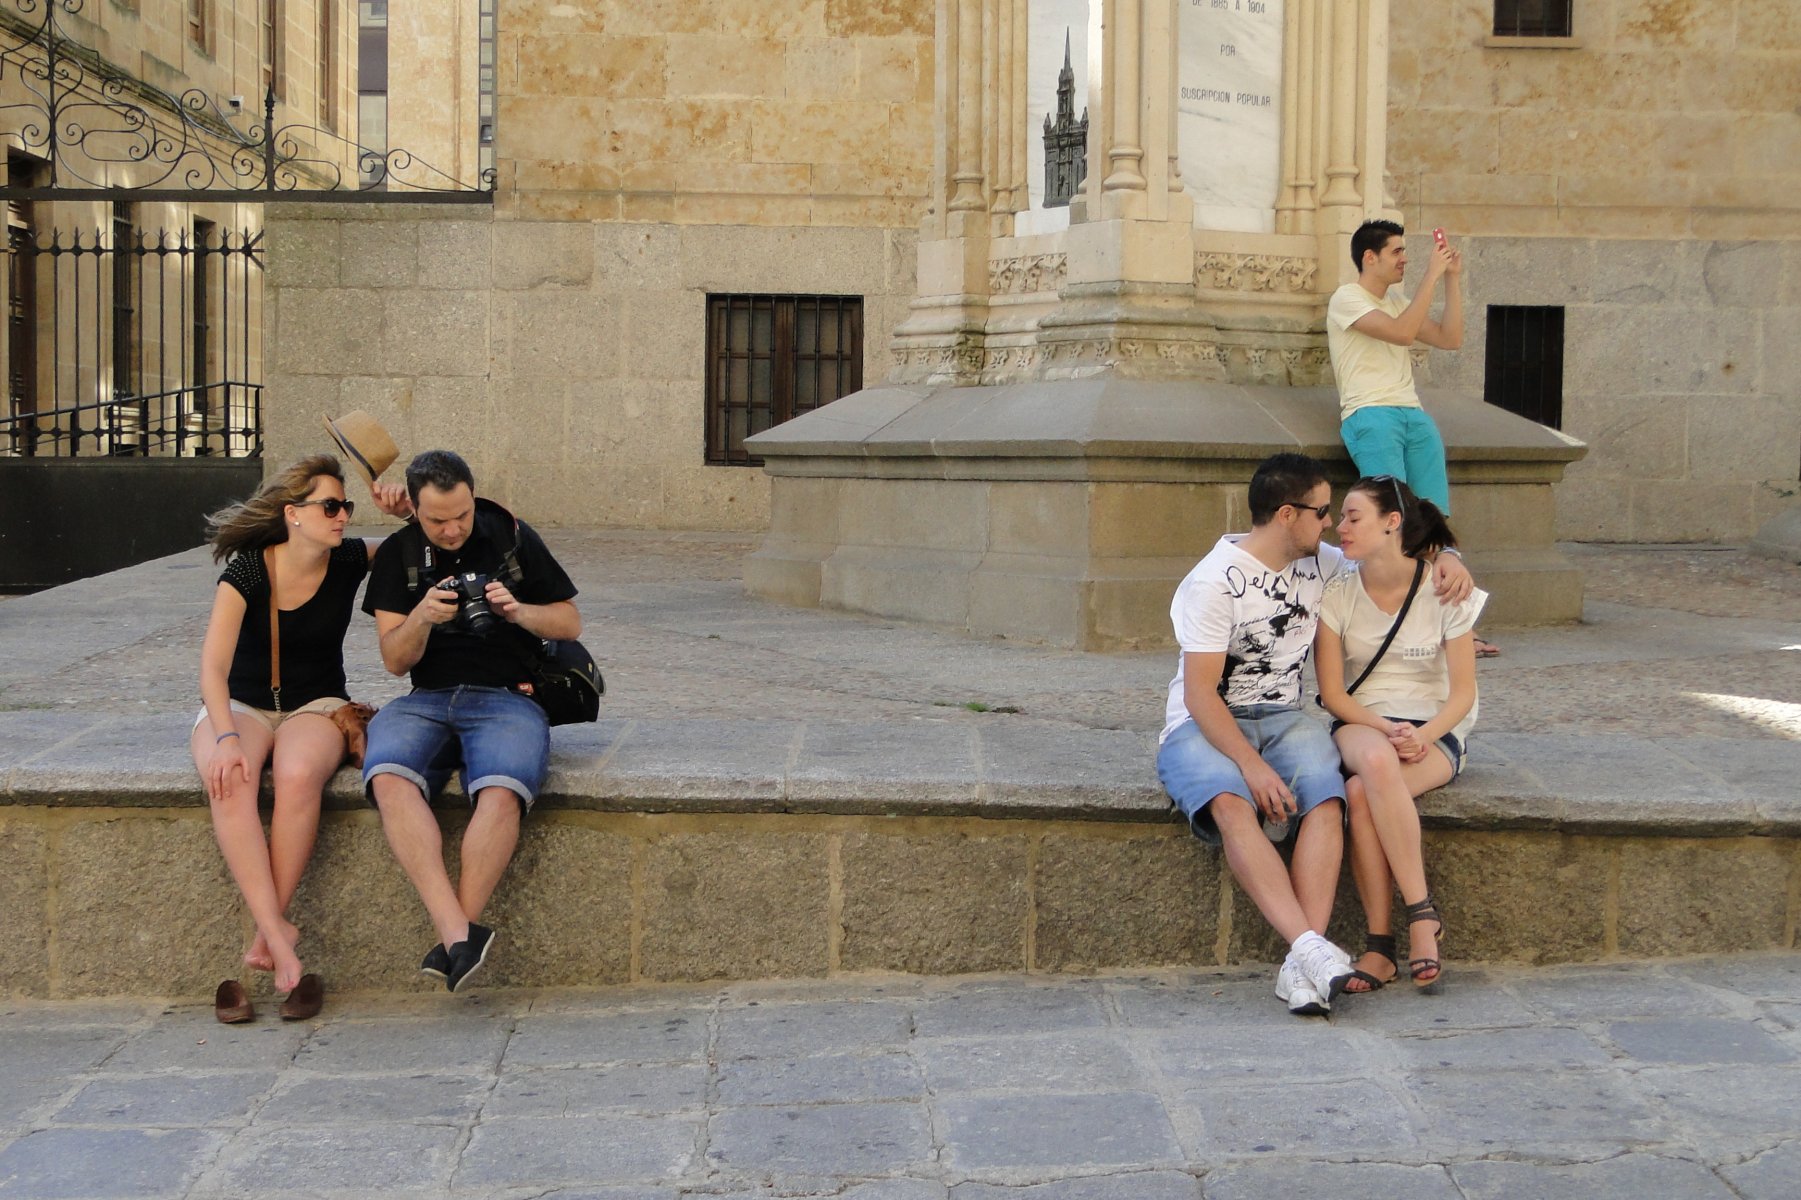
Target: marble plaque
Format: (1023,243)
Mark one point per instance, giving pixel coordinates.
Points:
(1229,111)
(1051,25)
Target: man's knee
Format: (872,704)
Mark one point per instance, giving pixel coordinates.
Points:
(498,803)
(390,791)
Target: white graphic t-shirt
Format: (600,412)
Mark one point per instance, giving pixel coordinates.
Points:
(1262,619)
(1413,680)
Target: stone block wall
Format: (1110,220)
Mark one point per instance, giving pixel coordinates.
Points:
(599,898)
(1682,372)
(1660,119)
(738,112)
(564,358)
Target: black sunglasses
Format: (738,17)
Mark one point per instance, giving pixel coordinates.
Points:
(1323,512)
(332,506)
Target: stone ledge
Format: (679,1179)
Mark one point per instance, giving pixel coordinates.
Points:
(1618,785)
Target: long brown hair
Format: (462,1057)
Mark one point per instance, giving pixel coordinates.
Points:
(1424,529)
(257,522)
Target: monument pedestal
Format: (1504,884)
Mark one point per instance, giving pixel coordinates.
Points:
(1066,511)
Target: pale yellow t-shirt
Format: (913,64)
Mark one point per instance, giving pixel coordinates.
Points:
(1413,680)
(1369,370)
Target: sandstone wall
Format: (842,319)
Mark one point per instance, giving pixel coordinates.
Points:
(1646,175)
(740,112)
(563,358)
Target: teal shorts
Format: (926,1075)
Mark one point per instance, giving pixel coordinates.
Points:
(1387,439)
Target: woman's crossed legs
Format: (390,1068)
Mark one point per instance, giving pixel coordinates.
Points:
(1385,834)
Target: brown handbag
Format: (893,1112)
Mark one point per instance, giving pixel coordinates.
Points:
(352,719)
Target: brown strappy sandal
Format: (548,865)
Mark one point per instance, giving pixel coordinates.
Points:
(1426,910)
(1384,945)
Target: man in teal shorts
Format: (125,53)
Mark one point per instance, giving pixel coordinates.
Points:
(1370,327)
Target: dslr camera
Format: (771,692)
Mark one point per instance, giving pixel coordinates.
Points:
(473,614)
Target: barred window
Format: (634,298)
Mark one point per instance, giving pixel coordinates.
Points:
(1524,367)
(772,358)
(1533,18)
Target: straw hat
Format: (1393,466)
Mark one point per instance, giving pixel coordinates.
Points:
(364,442)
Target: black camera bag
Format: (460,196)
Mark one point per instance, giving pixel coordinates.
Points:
(565,681)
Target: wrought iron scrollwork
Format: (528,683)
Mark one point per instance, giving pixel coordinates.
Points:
(85,117)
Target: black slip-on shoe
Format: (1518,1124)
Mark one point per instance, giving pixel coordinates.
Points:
(437,962)
(466,957)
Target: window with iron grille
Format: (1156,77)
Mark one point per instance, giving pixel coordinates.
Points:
(772,358)
(1525,361)
(1533,18)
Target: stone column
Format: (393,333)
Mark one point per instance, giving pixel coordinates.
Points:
(1295,202)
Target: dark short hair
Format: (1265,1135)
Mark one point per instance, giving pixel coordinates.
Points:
(1283,479)
(1372,235)
(442,469)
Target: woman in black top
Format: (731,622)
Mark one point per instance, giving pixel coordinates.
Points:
(295,523)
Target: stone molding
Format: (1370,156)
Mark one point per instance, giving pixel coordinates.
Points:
(1254,272)
(1027,274)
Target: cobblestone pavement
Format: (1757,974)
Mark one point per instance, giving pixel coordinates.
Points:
(1659,1080)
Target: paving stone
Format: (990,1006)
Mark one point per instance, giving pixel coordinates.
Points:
(24,1102)
(839,1078)
(162,1102)
(744,762)
(1733,1100)
(1628,1176)
(781,1030)
(875,1189)
(95,1163)
(1486,1111)
(438,1099)
(567,1040)
(1609,993)
(1766,976)
(584,1091)
(918,760)
(368,1158)
(1123,1185)
(53,1054)
(1772,1175)
(1471,999)
(466,1044)
(832,1139)
(1237,997)
(191,1041)
(1123,1128)
(1294,1049)
(1698,1041)
(1049,1062)
(643,1192)
(1319,1119)
(1503,1049)
(1258,1181)
(514,1151)
(977,1011)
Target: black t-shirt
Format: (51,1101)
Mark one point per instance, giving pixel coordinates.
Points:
(312,636)
(452,655)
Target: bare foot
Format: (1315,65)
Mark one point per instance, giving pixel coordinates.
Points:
(1374,964)
(288,969)
(260,957)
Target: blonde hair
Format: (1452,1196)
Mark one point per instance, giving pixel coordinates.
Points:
(257,522)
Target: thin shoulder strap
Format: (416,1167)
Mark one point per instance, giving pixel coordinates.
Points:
(274,629)
(1419,573)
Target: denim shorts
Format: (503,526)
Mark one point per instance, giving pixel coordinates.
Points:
(1295,746)
(1449,743)
(498,739)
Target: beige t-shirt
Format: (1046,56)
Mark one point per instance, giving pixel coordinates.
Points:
(1369,370)
(1413,680)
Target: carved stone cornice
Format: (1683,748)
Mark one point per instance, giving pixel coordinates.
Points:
(1253,272)
(1026,274)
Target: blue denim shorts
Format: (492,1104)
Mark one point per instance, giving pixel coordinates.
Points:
(498,739)
(1296,747)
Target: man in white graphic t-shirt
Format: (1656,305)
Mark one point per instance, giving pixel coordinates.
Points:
(1238,757)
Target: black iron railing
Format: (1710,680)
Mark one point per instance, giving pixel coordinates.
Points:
(215,420)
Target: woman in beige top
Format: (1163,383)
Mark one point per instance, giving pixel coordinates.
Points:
(1403,731)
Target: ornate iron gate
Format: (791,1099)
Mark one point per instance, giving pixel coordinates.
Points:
(124,342)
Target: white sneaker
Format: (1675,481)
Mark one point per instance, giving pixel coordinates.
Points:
(1321,965)
(1292,988)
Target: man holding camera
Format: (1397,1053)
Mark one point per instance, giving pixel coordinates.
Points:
(462,600)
